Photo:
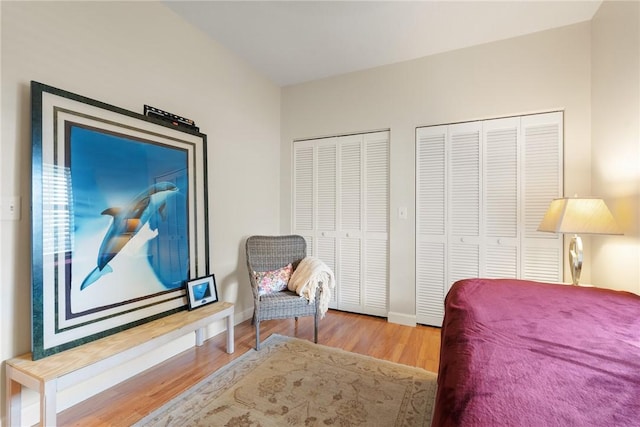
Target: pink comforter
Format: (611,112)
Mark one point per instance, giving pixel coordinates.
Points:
(519,353)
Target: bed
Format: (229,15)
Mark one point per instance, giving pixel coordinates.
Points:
(521,353)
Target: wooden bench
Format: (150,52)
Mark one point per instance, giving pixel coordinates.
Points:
(54,373)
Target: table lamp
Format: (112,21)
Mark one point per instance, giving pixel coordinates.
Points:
(577,215)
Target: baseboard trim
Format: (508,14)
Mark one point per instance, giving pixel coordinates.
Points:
(402,319)
(241,316)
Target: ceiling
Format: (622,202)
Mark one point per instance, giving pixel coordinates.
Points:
(297,41)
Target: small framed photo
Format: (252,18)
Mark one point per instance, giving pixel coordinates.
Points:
(201,291)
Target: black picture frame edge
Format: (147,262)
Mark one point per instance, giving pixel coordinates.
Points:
(37,309)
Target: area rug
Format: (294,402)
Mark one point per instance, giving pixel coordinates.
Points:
(293,382)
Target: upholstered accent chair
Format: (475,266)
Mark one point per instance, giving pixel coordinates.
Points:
(268,254)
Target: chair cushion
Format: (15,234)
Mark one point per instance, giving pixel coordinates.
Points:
(273,280)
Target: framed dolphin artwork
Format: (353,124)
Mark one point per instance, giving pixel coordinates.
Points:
(119,218)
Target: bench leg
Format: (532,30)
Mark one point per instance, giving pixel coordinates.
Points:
(13,399)
(199,337)
(230,334)
(48,403)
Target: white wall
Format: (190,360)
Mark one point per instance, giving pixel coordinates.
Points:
(539,72)
(615,141)
(129,54)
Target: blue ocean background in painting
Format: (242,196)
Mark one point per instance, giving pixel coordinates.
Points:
(108,172)
(201,291)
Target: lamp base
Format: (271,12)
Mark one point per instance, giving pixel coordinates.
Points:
(575,258)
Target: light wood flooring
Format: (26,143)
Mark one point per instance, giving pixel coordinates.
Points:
(129,401)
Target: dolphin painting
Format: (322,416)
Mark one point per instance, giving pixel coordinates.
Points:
(127,222)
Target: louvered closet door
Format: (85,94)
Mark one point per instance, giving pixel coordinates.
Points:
(376,223)
(341,207)
(500,246)
(303,194)
(464,201)
(496,179)
(542,136)
(349,272)
(430,223)
(326,204)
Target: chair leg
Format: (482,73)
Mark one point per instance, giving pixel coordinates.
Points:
(315,328)
(257,335)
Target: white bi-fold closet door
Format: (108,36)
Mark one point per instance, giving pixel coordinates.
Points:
(341,208)
(482,188)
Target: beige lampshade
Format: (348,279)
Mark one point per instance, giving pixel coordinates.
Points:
(579,216)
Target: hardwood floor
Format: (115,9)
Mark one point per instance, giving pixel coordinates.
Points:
(127,402)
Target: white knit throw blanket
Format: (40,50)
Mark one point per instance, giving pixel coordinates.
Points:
(311,273)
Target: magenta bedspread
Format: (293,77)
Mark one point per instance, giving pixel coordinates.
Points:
(520,353)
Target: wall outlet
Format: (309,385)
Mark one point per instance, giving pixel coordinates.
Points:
(10,208)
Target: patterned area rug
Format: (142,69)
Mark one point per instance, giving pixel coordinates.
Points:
(293,382)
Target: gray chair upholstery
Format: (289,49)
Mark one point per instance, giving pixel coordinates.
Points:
(266,253)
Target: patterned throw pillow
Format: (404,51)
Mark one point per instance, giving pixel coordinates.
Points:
(274,280)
